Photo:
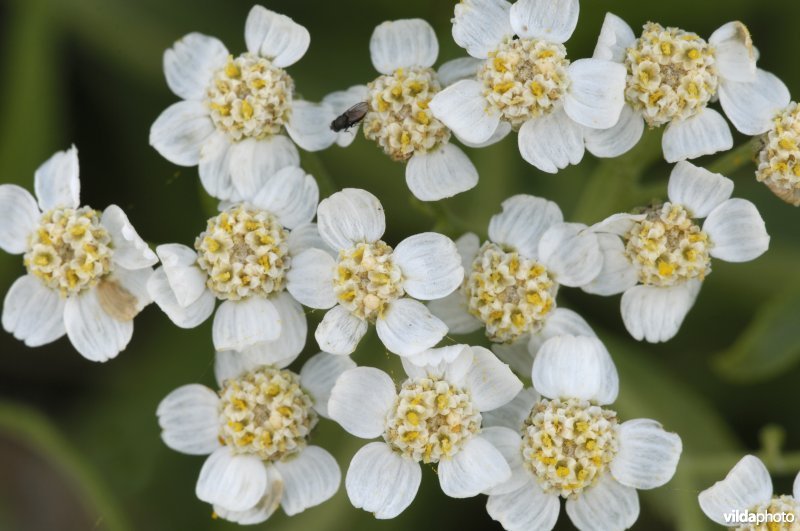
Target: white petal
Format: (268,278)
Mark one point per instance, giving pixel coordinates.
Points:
(349,217)
(180,131)
(699,190)
(571,251)
(231,364)
(190,64)
(245,323)
(605,506)
(490,381)
(276,37)
(251,164)
(292,339)
(522,222)
(439,174)
(360,401)
(309,125)
(189,420)
(575,367)
(19,216)
(507,442)
(752,106)
(476,468)
(747,485)
(458,69)
(92,331)
(308,479)
(430,264)
(403,44)
(561,322)
(479,26)
(616,36)
(339,102)
(564,144)
(527,508)
(234,481)
(453,311)
(597,93)
(340,331)
(382,482)
(702,134)
(549,20)
(158,286)
(306,236)
(796,487)
(734,55)
(310,279)
(214,166)
(516,354)
(655,314)
(134,281)
(452,363)
(265,507)
(130,250)
(468,245)
(619,224)
(186,279)
(463,108)
(501,131)
(513,414)
(736,231)
(408,328)
(617,139)
(56,181)
(647,455)
(32,312)
(618,273)
(291,194)
(319,375)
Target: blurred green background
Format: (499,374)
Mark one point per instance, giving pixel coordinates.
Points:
(79,442)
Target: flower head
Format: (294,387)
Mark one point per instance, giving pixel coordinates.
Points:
(255,432)
(527,83)
(244,259)
(434,417)
(235,109)
(748,489)
(660,257)
(561,440)
(371,282)
(86,270)
(399,119)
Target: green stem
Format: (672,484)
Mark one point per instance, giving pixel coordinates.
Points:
(736,158)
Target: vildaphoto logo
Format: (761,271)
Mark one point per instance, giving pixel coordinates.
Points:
(748,517)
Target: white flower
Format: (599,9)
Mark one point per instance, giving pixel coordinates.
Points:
(659,258)
(245,258)
(87,270)
(370,282)
(511,281)
(528,84)
(255,432)
(399,119)
(672,77)
(569,445)
(779,158)
(434,418)
(748,488)
(234,110)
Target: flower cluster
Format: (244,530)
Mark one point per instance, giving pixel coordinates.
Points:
(274,248)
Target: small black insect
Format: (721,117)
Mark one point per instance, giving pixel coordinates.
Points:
(350,117)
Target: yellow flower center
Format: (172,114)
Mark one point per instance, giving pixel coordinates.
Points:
(779,159)
(781,513)
(367,280)
(431,420)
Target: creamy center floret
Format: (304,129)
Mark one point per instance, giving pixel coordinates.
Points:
(511,294)
(671,74)
(266,413)
(525,78)
(250,97)
(70,250)
(568,444)
(431,420)
(244,252)
(399,119)
(779,159)
(781,513)
(668,247)
(367,280)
